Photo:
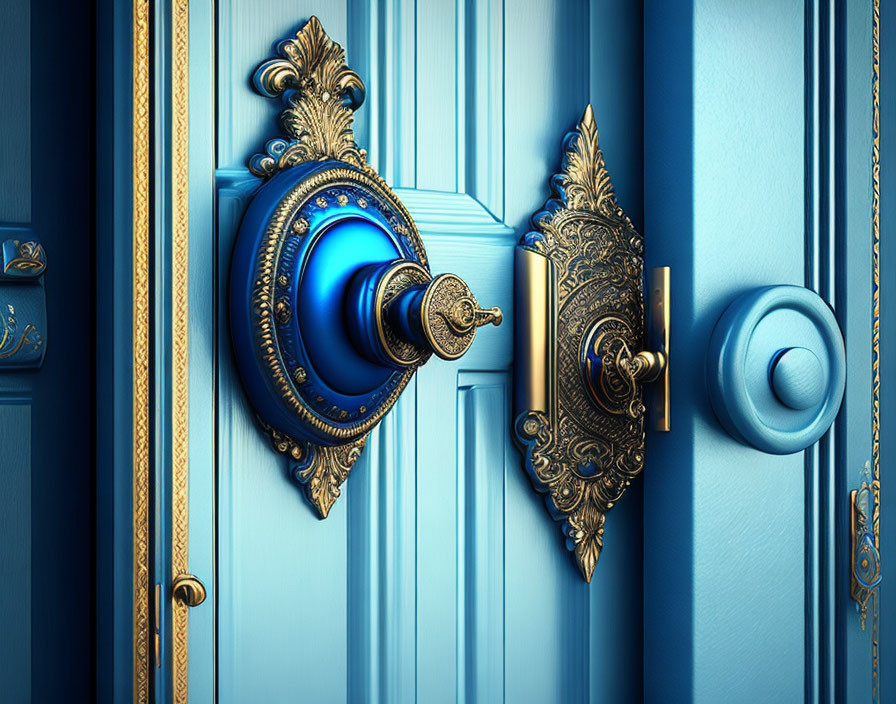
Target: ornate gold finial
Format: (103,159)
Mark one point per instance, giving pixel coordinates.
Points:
(321,94)
(585,179)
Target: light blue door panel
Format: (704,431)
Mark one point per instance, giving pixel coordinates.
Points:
(724,193)
(439,576)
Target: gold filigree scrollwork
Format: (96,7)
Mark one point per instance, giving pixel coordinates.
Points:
(323,469)
(320,93)
(320,469)
(27,258)
(865,502)
(583,446)
(865,559)
(10,342)
(140,237)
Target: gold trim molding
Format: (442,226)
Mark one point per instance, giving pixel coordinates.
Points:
(864,561)
(180,345)
(140,359)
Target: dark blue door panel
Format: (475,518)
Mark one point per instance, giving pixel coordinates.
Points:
(46,415)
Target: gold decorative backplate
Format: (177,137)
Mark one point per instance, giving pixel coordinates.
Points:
(864,524)
(320,94)
(579,412)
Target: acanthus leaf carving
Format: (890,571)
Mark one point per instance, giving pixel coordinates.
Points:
(320,93)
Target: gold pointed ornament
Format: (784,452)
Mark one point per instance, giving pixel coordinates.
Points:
(579,325)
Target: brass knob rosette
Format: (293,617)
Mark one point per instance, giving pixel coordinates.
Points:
(418,315)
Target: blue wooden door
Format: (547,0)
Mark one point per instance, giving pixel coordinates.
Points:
(46,353)
(739,139)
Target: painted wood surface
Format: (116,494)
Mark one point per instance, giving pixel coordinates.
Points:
(15,553)
(15,403)
(740,147)
(439,576)
(757,171)
(888,335)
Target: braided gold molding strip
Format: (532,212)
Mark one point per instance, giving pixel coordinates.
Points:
(180,349)
(140,312)
(875,333)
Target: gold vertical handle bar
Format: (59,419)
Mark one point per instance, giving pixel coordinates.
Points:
(658,339)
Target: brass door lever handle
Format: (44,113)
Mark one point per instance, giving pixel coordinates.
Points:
(398,314)
(614,374)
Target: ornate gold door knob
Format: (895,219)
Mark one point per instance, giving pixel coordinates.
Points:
(398,314)
(332,303)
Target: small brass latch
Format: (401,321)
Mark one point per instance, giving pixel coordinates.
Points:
(582,350)
(189,590)
(614,374)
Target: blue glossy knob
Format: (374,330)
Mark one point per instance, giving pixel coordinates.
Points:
(776,368)
(798,378)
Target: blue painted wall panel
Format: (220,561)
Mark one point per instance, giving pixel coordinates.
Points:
(15,551)
(888,344)
(854,671)
(46,416)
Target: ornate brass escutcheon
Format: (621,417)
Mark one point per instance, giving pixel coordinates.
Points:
(581,353)
(23,309)
(332,304)
(864,530)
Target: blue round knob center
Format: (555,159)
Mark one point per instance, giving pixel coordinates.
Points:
(798,379)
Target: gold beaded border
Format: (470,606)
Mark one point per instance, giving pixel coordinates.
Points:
(263,293)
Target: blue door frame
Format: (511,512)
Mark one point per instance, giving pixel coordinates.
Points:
(797,117)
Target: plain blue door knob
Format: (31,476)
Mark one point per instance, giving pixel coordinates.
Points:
(798,378)
(776,368)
